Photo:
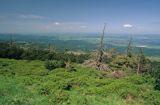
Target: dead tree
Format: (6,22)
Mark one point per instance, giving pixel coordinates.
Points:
(99,57)
(11,41)
(49,47)
(97,62)
(140,60)
(129,48)
(67,60)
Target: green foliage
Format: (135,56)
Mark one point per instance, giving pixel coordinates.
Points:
(12,93)
(109,55)
(16,51)
(155,69)
(122,62)
(29,83)
(10,51)
(157,84)
(52,64)
(155,72)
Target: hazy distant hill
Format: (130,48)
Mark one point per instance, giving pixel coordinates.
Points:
(88,42)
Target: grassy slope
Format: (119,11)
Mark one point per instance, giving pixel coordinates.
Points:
(29,83)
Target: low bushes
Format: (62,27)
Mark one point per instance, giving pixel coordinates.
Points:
(63,87)
(53,64)
(18,51)
(157,83)
(155,72)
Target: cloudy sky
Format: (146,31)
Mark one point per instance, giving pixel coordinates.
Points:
(121,16)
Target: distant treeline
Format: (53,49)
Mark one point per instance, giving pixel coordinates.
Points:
(15,51)
(86,42)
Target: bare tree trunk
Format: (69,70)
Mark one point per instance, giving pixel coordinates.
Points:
(68,64)
(99,57)
(49,47)
(140,60)
(11,41)
(128,50)
(138,68)
(68,60)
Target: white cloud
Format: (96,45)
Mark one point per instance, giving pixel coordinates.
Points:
(52,25)
(83,26)
(57,23)
(31,17)
(56,26)
(127,26)
(142,46)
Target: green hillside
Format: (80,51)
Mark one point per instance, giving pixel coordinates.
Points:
(25,82)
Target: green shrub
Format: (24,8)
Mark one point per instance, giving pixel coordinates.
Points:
(53,64)
(60,64)
(71,69)
(157,84)
(32,84)
(50,65)
(155,72)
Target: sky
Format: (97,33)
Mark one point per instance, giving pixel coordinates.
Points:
(49,16)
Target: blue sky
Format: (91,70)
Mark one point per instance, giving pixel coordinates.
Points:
(121,16)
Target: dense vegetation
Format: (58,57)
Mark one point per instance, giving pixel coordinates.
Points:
(26,82)
(15,51)
(43,76)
